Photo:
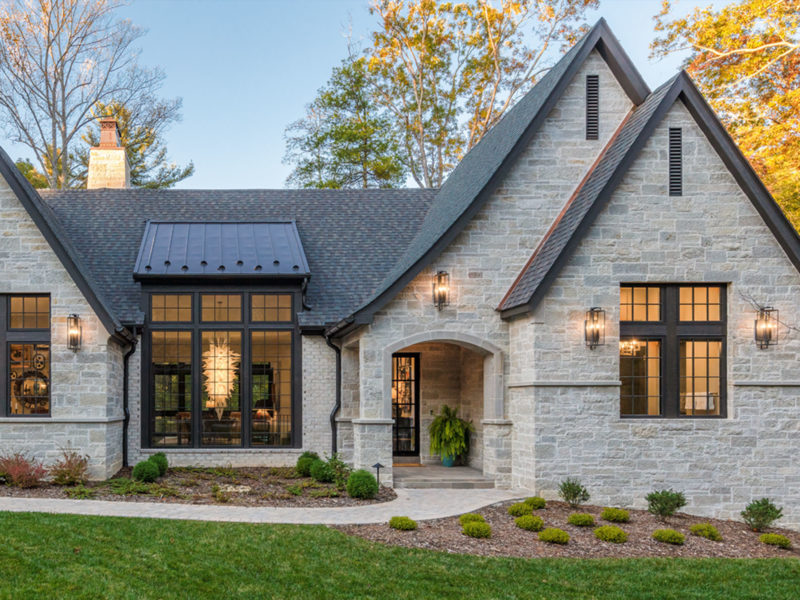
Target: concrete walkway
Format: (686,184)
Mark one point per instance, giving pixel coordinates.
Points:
(417,504)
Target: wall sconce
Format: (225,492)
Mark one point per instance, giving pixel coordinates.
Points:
(74,332)
(594,327)
(441,289)
(766,327)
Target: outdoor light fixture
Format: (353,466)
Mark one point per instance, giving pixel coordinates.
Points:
(594,327)
(378,467)
(766,327)
(441,289)
(74,332)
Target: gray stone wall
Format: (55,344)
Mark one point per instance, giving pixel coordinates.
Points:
(564,398)
(85,386)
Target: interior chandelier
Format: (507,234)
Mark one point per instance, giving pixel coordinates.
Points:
(219,368)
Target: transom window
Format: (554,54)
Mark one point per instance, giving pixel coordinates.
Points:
(25,355)
(225,378)
(672,350)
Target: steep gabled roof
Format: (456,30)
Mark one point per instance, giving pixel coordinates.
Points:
(52,230)
(479,173)
(587,203)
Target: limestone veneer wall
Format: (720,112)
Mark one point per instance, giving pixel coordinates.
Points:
(487,256)
(85,386)
(564,398)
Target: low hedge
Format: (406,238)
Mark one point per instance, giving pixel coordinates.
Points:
(471,518)
(581,520)
(402,523)
(553,535)
(669,536)
(706,530)
(615,515)
(611,533)
(477,529)
(529,523)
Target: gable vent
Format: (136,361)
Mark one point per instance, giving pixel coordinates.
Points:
(675,162)
(592,107)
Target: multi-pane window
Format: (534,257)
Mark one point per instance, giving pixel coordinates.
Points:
(672,350)
(25,355)
(226,377)
(171,308)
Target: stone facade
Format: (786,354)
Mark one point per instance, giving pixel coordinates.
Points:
(564,398)
(85,386)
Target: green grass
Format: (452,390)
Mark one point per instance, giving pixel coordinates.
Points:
(59,556)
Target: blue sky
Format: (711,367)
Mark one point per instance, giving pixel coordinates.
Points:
(246,68)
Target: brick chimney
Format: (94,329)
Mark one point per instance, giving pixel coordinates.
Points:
(108,163)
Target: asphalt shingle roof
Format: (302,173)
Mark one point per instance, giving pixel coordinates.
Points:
(351,238)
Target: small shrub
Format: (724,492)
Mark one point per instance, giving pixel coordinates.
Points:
(362,484)
(552,535)
(706,530)
(581,520)
(611,533)
(402,523)
(471,518)
(519,509)
(529,523)
(80,492)
(665,503)
(71,469)
(536,503)
(219,495)
(21,471)
(477,529)
(303,466)
(322,471)
(123,486)
(341,470)
(160,460)
(295,490)
(669,536)
(145,471)
(775,539)
(615,515)
(760,514)
(573,493)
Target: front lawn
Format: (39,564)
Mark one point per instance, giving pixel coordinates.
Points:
(62,556)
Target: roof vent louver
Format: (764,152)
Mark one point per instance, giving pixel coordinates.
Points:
(675,162)
(592,107)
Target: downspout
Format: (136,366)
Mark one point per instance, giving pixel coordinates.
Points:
(126,411)
(338,404)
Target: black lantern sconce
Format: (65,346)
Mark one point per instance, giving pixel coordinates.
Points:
(441,289)
(74,332)
(594,327)
(766,327)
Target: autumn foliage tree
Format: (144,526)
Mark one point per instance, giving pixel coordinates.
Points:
(745,57)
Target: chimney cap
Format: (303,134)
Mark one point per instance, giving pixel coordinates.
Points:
(109,133)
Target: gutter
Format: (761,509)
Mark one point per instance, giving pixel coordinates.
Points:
(125,409)
(338,404)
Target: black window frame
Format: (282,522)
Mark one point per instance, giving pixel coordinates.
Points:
(671,331)
(197,326)
(33,335)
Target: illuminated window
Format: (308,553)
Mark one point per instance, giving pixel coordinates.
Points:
(640,374)
(25,348)
(29,312)
(225,308)
(700,303)
(271,307)
(640,303)
(171,308)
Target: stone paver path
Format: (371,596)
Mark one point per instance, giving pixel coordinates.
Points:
(417,504)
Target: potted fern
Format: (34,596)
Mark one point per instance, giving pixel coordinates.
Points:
(449,435)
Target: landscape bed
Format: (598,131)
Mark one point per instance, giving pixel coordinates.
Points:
(247,486)
(509,540)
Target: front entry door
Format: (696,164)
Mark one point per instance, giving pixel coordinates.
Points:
(405,404)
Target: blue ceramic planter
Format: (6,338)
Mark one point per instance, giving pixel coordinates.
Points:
(448,461)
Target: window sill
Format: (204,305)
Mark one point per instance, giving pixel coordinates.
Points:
(48,419)
(220,450)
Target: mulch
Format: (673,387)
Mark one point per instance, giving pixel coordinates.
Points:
(251,486)
(508,540)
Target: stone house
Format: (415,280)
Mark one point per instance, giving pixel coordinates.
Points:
(602,286)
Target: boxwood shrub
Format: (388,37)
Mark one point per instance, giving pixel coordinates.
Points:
(553,535)
(477,529)
(471,518)
(615,515)
(706,530)
(611,533)
(775,539)
(322,472)
(529,523)
(402,523)
(669,536)
(519,509)
(362,484)
(581,520)
(146,471)
(303,466)
(535,502)
(160,459)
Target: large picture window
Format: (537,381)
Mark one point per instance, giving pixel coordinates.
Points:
(672,350)
(225,378)
(25,355)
